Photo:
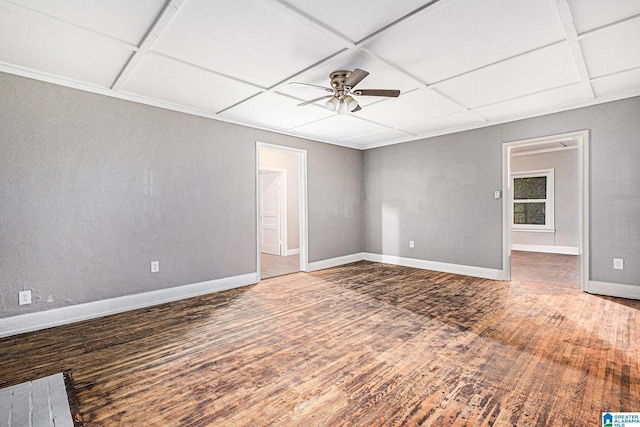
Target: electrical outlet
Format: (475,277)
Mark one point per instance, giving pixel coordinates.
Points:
(155,266)
(24,297)
(411,244)
(618,264)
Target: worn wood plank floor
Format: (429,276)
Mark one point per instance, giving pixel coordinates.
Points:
(360,345)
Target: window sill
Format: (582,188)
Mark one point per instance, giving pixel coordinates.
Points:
(534,230)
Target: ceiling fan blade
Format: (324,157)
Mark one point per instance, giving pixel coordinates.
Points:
(393,93)
(311,101)
(358,108)
(327,89)
(356,77)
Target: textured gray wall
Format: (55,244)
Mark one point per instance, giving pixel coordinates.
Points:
(94,188)
(566,197)
(439,193)
(453,219)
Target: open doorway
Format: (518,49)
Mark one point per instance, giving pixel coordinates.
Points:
(282,210)
(545,234)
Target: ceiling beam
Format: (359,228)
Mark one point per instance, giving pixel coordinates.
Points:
(159,26)
(297,13)
(569,27)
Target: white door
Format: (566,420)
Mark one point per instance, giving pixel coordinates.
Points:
(270,212)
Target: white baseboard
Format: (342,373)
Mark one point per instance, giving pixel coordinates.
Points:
(465,270)
(334,262)
(75,313)
(614,289)
(293,252)
(564,250)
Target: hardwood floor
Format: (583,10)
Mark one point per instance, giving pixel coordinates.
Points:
(273,265)
(360,345)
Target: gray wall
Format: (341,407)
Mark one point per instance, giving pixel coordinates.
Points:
(452,217)
(93,188)
(566,197)
(438,193)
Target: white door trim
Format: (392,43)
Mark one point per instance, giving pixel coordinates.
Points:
(582,138)
(283,205)
(303,202)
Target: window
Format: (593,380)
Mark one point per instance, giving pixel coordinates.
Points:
(533,200)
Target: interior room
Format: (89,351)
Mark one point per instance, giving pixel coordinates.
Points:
(277,212)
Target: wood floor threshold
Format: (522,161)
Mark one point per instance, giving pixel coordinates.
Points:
(365,344)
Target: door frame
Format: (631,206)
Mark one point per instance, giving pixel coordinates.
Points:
(302,202)
(582,138)
(282,205)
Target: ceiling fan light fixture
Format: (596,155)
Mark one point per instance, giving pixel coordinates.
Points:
(332,103)
(352,104)
(343,107)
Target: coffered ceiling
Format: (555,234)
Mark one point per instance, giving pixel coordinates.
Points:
(459,64)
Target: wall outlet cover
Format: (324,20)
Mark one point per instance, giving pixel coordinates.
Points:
(618,264)
(24,297)
(155,266)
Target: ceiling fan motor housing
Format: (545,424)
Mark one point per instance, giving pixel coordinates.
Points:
(338,78)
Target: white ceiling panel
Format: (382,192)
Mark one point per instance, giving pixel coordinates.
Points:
(541,101)
(248,39)
(380,77)
(451,122)
(233,60)
(410,108)
(540,70)
(161,78)
(590,14)
(618,83)
(44,46)
(463,35)
(273,109)
(340,127)
(608,51)
(122,19)
(355,28)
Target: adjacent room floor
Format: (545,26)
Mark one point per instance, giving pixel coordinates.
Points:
(274,265)
(547,269)
(365,344)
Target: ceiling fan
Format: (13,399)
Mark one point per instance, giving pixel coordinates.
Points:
(342,91)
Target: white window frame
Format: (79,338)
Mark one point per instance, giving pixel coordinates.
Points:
(549,225)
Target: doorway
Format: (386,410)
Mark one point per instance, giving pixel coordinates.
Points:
(273,213)
(281,210)
(547,144)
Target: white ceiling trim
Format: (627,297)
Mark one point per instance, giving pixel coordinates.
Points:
(171,9)
(72,83)
(569,27)
(75,27)
(598,30)
(433,4)
(284,6)
(160,24)
(600,100)
(613,74)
